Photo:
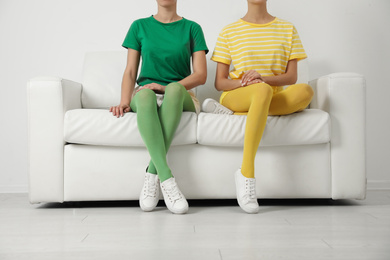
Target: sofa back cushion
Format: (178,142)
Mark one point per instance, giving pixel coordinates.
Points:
(102,78)
(103,72)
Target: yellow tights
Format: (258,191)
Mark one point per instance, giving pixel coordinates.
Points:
(257,101)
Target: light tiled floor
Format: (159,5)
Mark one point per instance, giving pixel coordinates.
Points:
(284,229)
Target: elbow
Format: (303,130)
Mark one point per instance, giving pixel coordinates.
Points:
(203,78)
(218,86)
(293,80)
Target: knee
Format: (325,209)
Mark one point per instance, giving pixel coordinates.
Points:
(261,91)
(146,99)
(174,89)
(306,92)
(174,94)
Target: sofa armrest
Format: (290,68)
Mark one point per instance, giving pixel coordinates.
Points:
(343,96)
(47,100)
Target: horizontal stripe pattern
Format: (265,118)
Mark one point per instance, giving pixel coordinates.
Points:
(265,48)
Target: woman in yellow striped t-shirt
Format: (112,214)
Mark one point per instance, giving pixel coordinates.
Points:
(264,51)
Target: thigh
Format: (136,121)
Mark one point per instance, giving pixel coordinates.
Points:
(290,100)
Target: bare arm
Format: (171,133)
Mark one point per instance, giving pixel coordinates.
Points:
(128,82)
(222,81)
(199,74)
(288,78)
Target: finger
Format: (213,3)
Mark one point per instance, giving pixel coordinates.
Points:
(253,74)
(243,79)
(259,81)
(117,111)
(152,86)
(253,82)
(248,75)
(127,109)
(121,111)
(250,78)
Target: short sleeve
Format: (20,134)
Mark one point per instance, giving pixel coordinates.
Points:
(297,51)
(131,41)
(198,42)
(221,51)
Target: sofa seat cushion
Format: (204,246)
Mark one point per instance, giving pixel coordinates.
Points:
(311,126)
(100,127)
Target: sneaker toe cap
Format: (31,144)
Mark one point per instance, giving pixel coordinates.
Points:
(251,208)
(180,207)
(148,204)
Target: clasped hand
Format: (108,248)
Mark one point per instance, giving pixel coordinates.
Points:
(159,89)
(251,77)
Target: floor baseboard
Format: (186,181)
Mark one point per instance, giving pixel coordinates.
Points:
(378,185)
(371,185)
(14,189)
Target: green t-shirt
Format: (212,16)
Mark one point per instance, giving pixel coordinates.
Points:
(165,48)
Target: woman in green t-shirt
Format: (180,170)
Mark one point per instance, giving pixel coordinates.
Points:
(166,42)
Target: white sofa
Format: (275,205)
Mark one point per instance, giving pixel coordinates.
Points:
(78,151)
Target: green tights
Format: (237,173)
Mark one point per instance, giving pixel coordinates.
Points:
(157,126)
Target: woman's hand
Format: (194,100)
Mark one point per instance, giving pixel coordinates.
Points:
(255,81)
(119,110)
(251,77)
(160,89)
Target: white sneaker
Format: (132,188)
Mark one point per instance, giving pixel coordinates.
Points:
(212,106)
(149,196)
(246,192)
(174,199)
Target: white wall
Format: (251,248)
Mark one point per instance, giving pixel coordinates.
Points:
(50,37)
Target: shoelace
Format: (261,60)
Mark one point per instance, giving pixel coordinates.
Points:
(151,187)
(250,191)
(173,192)
(220,110)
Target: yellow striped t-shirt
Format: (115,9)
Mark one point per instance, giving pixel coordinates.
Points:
(266,48)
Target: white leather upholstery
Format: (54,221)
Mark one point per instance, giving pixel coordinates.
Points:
(103,173)
(342,95)
(318,153)
(311,126)
(102,77)
(202,172)
(99,127)
(303,71)
(48,100)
